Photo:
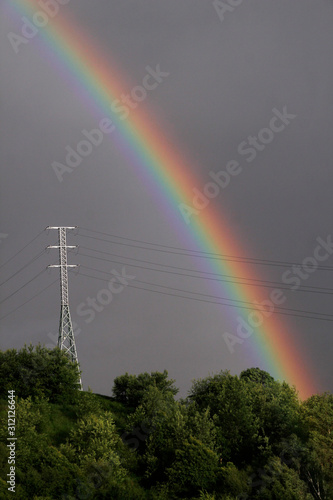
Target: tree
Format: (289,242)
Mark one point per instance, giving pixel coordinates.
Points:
(176,444)
(277,481)
(227,398)
(317,466)
(156,429)
(195,467)
(87,403)
(40,466)
(232,481)
(277,408)
(232,438)
(39,372)
(254,413)
(256,375)
(130,389)
(95,440)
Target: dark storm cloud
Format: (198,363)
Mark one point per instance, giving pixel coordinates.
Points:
(225,79)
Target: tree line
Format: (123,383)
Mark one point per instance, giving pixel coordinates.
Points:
(232,438)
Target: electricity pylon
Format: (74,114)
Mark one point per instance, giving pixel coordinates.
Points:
(66,340)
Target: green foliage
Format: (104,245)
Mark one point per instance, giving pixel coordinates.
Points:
(40,466)
(206,496)
(317,465)
(233,438)
(277,409)
(200,423)
(95,439)
(233,481)
(318,411)
(130,389)
(256,375)
(159,427)
(228,399)
(38,372)
(253,413)
(277,481)
(87,403)
(179,447)
(128,489)
(29,417)
(195,467)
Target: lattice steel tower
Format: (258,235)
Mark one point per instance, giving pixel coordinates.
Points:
(66,340)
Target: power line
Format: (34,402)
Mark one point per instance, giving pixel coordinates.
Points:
(197,253)
(300,289)
(25,246)
(26,302)
(255,306)
(27,283)
(21,269)
(221,257)
(257,283)
(329,319)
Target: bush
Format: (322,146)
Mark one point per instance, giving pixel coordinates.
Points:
(39,372)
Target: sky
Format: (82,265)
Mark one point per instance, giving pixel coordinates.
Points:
(223,74)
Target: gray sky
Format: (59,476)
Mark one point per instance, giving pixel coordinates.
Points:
(226,74)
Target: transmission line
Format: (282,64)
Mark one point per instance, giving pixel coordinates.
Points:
(25,266)
(306,316)
(255,306)
(258,283)
(197,253)
(31,298)
(25,246)
(25,284)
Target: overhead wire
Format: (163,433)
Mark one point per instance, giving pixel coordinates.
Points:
(191,253)
(196,253)
(25,284)
(23,267)
(329,318)
(29,300)
(257,283)
(23,248)
(254,305)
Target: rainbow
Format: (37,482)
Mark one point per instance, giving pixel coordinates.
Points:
(169,174)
